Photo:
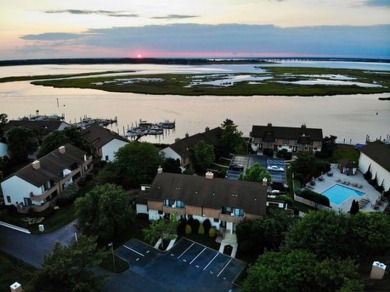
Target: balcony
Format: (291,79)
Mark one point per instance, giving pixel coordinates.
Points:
(230,218)
(35,208)
(171,210)
(43,196)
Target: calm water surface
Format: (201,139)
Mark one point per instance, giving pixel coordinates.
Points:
(350,117)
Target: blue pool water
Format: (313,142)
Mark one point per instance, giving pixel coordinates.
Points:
(338,193)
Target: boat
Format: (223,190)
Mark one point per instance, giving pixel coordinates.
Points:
(167,124)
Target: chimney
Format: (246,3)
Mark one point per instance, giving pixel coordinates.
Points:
(269,125)
(36,164)
(159,170)
(61,149)
(209,175)
(207,129)
(303,126)
(177,140)
(16,287)
(187,135)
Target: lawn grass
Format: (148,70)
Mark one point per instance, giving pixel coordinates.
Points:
(343,151)
(13,270)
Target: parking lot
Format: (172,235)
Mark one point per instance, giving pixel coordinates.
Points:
(188,266)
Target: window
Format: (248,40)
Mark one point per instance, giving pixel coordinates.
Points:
(160,212)
(285,141)
(168,203)
(107,158)
(9,199)
(238,212)
(216,220)
(179,204)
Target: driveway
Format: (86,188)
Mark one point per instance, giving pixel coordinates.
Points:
(31,248)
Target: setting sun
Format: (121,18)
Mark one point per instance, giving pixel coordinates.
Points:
(139,56)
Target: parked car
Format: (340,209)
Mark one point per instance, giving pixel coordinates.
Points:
(275,168)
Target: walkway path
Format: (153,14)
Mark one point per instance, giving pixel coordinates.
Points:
(31,248)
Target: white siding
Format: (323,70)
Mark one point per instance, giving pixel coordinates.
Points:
(153,215)
(109,150)
(375,169)
(18,189)
(141,209)
(169,153)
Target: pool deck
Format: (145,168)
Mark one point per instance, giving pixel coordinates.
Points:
(370,192)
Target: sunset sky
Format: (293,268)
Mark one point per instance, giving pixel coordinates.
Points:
(194,28)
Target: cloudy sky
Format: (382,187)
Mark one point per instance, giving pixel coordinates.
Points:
(194,28)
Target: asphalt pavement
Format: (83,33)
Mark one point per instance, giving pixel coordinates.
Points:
(32,248)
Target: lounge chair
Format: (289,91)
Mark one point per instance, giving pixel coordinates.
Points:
(338,180)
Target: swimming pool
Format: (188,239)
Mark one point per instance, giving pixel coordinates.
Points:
(338,193)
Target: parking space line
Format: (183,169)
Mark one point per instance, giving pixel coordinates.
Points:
(185,250)
(133,250)
(224,267)
(197,256)
(210,261)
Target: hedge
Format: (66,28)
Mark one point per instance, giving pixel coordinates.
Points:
(315,197)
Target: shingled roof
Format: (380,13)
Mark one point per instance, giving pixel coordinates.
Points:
(42,128)
(184,146)
(303,134)
(98,136)
(211,193)
(379,152)
(51,165)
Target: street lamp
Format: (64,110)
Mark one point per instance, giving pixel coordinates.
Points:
(112,252)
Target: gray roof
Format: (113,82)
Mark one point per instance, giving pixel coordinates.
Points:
(51,165)
(184,146)
(98,136)
(42,128)
(379,152)
(211,193)
(303,134)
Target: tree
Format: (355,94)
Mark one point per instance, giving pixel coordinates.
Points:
(300,271)
(304,164)
(324,233)
(231,139)
(163,228)
(256,173)
(136,163)
(328,145)
(254,235)
(105,212)
(21,142)
(171,165)
(350,236)
(3,121)
(354,207)
(204,156)
(69,268)
(59,138)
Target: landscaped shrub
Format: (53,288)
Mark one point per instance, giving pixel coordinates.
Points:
(368,174)
(188,229)
(286,199)
(181,228)
(194,223)
(315,197)
(268,152)
(321,167)
(201,229)
(68,196)
(299,177)
(284,154)
(212,232)
(206,225)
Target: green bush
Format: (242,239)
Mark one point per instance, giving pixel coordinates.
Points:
(286,199)
(212,232)
(284,154)
(201,229)
(188,229)
(207,226)
(315,197)
(69,195)
(268,152)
